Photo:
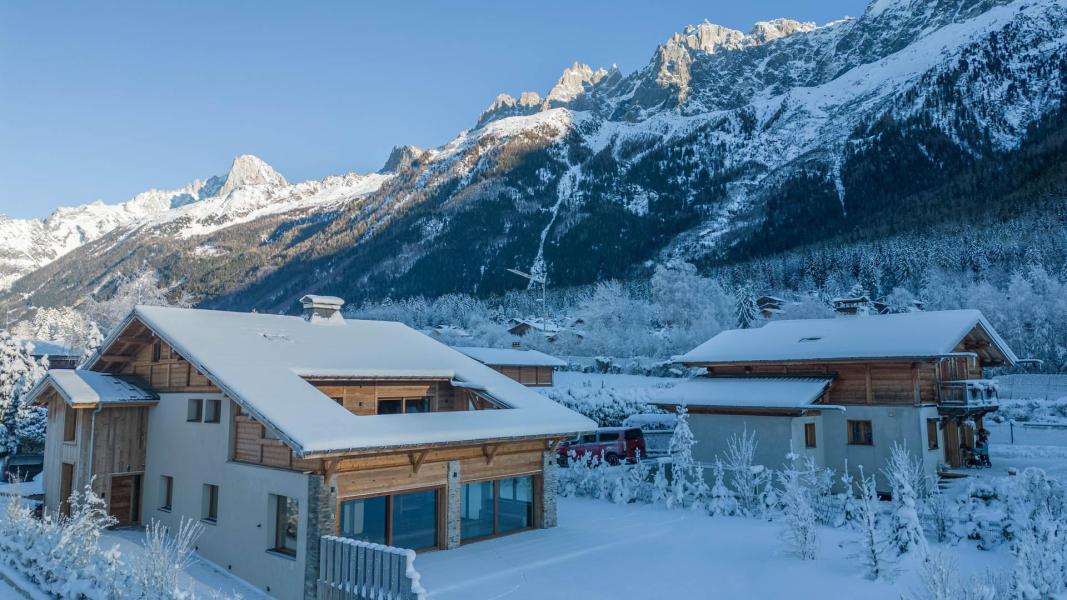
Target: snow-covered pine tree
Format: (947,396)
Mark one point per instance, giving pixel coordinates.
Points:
(905,528)
(687,485)
(876,550)
(18,372)
(848,513)
(1039,514)
(721,501)
(941,513)
(745,307)
(797,509)
(638,486)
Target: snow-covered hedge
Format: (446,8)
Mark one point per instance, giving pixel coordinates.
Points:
(64,557)
(608,406)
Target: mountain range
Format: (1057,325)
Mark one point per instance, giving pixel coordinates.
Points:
(726,146)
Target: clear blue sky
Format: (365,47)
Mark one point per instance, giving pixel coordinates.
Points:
(101,100)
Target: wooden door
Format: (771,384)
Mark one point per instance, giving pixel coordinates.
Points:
(66,486)
(952,444)
(123,499)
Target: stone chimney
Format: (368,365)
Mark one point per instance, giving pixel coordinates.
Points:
(322,309)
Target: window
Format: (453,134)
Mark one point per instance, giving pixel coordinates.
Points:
(860,433)
(589,438)
(195,412)
(809,435)
(166,492)
(286,524)
(490,508)
(213,411)
(810,339)
(931,434)
(405,520)
(396,406)
(70,423)
(612,436)
(157,351)
(210,503)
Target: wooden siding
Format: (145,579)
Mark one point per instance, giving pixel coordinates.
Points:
(531,376)
(361,397)
(251,444)
(134,352)
(876,382)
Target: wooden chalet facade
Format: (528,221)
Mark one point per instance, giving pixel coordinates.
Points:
(303,428)
(912,378)
(528,367)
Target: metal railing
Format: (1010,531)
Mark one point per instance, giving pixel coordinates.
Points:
(355,570)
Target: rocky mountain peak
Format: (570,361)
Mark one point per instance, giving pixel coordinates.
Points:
(767,31)
(574,81)
(400,158)
(250,170)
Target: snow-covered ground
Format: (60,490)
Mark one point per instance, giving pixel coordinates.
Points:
(605,550)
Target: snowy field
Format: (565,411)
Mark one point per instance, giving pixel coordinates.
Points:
(605,550)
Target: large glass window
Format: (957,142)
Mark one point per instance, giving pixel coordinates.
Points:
(404,520)
(477,510)
(364,519)
(414,523)
(516,504)
(495,507)
(396,406)
(286,524)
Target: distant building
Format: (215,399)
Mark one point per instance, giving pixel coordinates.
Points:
(528,367)
(846,390)
(59,356)
(769,306)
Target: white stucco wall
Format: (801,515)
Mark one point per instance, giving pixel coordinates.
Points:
(901,424)
(197,453)
(773,435)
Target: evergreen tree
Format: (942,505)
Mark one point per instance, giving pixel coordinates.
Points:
(905,529)
(687,485)
(797,509)
(22,424)
(745,307)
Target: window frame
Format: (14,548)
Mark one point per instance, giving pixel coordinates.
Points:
(217,403)
(404,401)
(70,424)
(157,350)
(811,439)
(281,520)
(440,518)
(167,492)
(932,443)
(866,426)
(209,508)
(199,403)
(535,483)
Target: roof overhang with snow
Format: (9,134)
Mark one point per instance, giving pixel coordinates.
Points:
(904,336)
(510,357)
(264,363)
(746,393)
(90,389)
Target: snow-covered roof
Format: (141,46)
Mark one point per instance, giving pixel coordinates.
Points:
(261,361)
(903,335)
(89,388)
(745,392)
(510,357)
(46,348)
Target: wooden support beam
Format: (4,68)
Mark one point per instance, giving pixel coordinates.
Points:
(869,392)
(553,444)
(416,459)
(118,358)
(490,451)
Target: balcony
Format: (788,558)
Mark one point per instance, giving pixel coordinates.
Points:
(968,395)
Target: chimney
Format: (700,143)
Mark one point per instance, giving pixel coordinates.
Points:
(322,309)
(516,345)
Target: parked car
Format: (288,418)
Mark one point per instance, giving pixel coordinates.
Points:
(612,444)
(23,467)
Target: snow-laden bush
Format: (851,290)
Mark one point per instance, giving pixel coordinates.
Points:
(798,509)
(877,550)
(721,501)
(905,528)
(608,406)
(64,557)
(748,481)
(687,485)
(1038,511)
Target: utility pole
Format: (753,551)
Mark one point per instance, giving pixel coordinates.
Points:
(543,280)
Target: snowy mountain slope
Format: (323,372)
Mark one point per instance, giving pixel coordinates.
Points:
(726,145)
(250,190)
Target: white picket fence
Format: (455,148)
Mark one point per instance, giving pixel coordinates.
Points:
(354,570)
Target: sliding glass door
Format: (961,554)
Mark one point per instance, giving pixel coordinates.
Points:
(489,508)
(404,520)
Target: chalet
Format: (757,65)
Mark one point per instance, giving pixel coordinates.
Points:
(59,356)
(528,367)
(276,430)
(846,389)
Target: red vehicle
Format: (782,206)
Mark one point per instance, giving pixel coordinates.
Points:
(612,444)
